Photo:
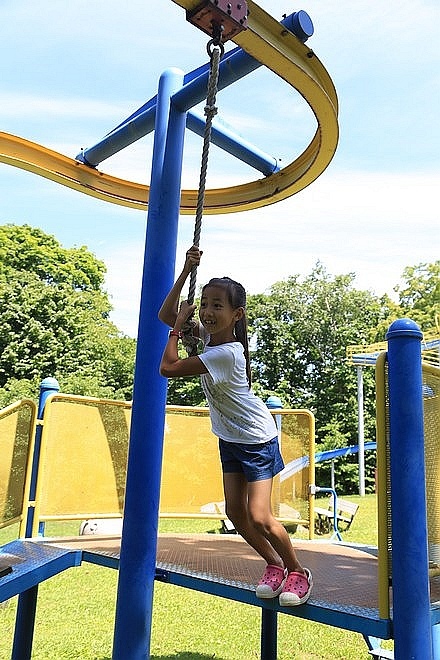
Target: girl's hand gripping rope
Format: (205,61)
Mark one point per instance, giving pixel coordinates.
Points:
(190,340)
(193,256)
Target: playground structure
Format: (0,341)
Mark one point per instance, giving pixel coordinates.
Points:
(365,607)
(264,42)
(352,590)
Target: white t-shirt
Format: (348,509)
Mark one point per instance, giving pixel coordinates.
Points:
(237,414)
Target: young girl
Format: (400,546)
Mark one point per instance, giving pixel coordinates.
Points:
(247,433)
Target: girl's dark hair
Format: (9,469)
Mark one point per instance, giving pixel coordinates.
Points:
(236,298)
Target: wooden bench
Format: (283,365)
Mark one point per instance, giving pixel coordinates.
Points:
(345,513)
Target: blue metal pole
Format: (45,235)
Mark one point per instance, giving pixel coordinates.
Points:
(269,634)
(436,642)
(27,601)
(24,624)
(48,386)
(139,534)
(333,493)
(410,578)
(274,403)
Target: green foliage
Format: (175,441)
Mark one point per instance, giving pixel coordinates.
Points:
(185,391)
(300,332)
(16,389)
(419,296)
(54,320)
(28,249)
(419,299)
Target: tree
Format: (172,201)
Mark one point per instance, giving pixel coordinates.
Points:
(28,249)
(54,319)
(419,296)
(301,330)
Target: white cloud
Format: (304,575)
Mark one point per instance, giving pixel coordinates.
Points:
(123,282)
(370,224)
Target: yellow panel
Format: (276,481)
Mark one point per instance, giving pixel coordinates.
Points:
(17,430)
(191,473)
(431,422)
(83,457)
(291,495)
(383,505)
(277,49)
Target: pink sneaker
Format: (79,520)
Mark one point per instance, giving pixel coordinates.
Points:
(297,588)
(271,582)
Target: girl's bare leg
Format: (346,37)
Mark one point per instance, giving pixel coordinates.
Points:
(236,499)
(262,519)
(248,507)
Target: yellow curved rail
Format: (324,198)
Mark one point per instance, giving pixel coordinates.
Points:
(276,48)
(52,165)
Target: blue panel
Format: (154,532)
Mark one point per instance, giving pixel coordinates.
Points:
(32,563)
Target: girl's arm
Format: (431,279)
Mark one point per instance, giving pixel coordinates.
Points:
(171,365)
(170,307)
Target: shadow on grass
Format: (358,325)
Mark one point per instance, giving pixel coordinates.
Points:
(183,655)
(186,655)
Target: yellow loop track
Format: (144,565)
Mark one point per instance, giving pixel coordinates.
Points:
(277,49)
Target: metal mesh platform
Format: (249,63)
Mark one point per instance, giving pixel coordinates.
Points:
(345,579)
(32,563)
(342,576)
(345,591)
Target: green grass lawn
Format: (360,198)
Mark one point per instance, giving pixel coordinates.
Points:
(75,614)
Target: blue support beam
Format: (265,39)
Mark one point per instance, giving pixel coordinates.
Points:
(269,634)
(235,64)
(27,600)
(225,138)
(410,577)
(139,534)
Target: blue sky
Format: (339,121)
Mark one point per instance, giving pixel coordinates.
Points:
(71,71)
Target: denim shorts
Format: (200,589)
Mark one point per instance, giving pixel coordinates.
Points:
(255,461)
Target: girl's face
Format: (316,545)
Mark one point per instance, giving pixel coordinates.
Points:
(217,315)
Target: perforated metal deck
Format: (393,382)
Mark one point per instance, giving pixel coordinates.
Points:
(32,563)
(345,592)
(345,578)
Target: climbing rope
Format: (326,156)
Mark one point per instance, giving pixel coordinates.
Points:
(215,50)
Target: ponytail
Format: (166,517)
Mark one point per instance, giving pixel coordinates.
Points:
(242,336)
